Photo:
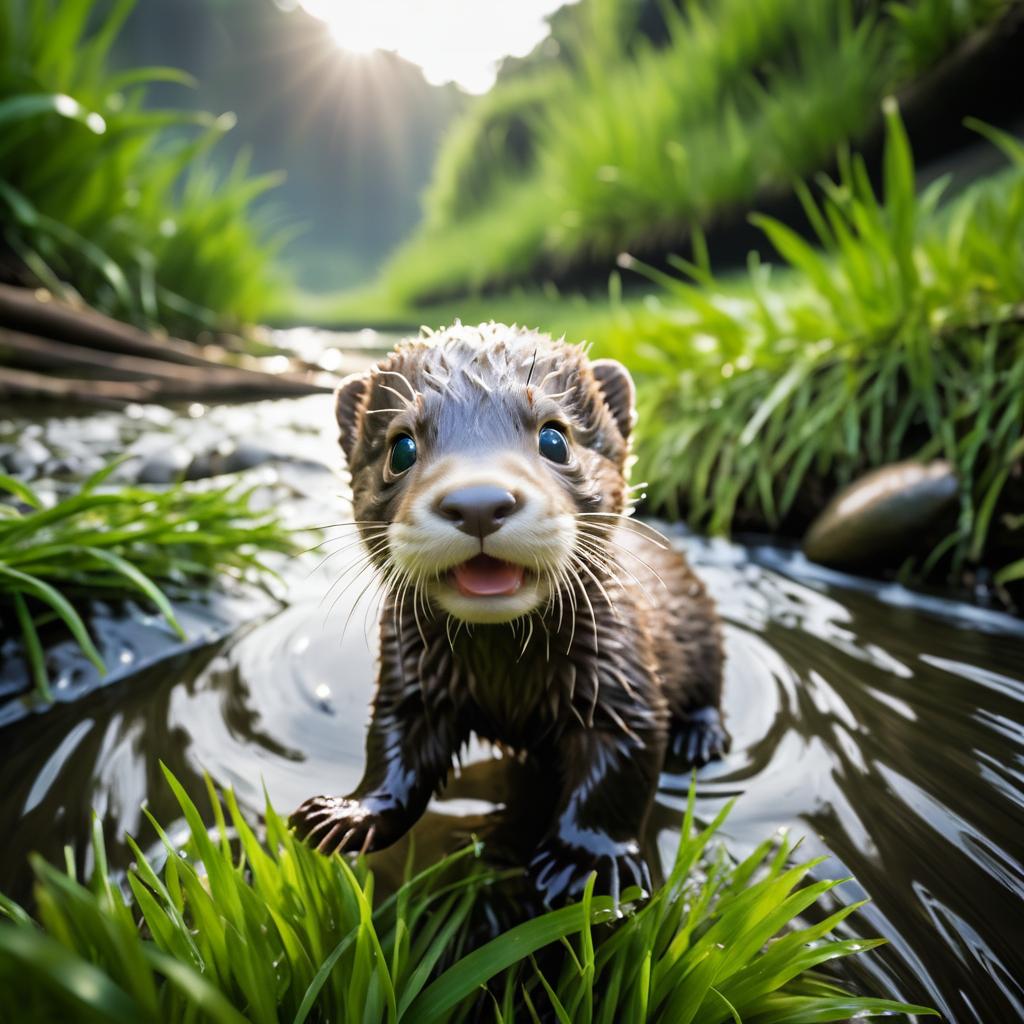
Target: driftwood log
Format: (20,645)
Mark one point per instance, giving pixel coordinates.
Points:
(51,349)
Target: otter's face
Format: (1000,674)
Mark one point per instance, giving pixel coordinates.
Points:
(476,456)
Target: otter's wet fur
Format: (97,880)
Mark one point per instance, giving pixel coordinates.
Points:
(606,654)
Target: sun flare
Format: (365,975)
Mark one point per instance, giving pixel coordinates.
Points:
(459,41)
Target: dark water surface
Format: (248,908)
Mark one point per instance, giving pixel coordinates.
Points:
(885,728)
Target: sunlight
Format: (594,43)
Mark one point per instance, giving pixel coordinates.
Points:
(459,41)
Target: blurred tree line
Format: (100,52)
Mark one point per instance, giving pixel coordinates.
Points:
(356,137)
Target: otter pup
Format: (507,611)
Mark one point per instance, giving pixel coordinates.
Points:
(522,604)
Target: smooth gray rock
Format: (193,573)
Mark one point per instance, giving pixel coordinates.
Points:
(886,513)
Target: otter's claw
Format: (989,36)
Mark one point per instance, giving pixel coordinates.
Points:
(700,738)
(335,824)
(559,871)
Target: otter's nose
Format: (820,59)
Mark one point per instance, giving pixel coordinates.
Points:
(478,510)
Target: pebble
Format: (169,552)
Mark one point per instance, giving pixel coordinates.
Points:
(27,459)
(229,459)
(164,467)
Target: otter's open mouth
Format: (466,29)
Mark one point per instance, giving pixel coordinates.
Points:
(484,576)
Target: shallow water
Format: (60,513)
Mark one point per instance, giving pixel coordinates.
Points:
(885,728)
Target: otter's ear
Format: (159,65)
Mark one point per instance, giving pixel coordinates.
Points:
(617,391)
(348,401)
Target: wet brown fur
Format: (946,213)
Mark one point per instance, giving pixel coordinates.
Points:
(596,689)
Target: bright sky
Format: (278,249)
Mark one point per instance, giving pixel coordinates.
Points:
(452,40)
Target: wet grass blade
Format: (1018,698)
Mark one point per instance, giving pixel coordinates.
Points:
(52,597)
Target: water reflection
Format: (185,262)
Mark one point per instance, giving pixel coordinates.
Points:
(889,736)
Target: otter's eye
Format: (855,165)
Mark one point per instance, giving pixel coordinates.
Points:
(403,454)
(552,444)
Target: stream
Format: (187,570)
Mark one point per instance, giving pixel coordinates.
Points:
(883,726)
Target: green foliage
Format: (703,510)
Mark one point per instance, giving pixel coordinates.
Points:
(494,246)
(490,144)
(111,543)
(117,200)
(634,149)
(902,336)
(231,928)
(930,28)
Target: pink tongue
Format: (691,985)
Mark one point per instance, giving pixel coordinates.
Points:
(484,576)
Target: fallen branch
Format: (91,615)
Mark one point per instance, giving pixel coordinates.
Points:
(39,313)
(25,384)
(163,380)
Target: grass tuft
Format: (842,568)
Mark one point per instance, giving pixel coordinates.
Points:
(103,543)
(229,927)
(901,336)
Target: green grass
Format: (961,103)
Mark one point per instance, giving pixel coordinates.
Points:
(114,200)
(636,150)
(233,928)
(901,336)
(112,543)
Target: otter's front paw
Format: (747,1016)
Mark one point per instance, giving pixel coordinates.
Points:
(700,738)
(560,870)
(335,823)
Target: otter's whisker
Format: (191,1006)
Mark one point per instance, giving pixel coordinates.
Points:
(570,592)
(558,394)
(554,594)
(601,558)
(402,589)
(397,590)
(356,570)
(398,394)
(638,524)
(597,583)
(374,579)
(396,585)
(340,551)
(593,616)
(533,366)
(355,604)
(413,393)
(416,610)
(346,522)
(528,637)
(647,565)
(610,564)
(381,528)
(547,639)
(609,538)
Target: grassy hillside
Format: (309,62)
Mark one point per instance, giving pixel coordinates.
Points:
(615,147)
